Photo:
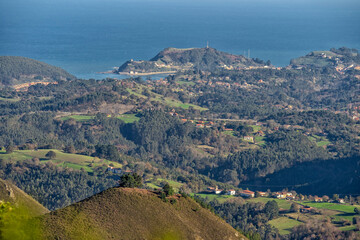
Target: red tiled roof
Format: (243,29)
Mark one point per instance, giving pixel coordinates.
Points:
(248,192)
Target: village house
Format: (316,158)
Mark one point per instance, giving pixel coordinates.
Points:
(249,138)
(263,194)
(259,133)
(318,199)
(218,191)
(247,193)
(214,190)
(231,192)
(114,170)
(279,195)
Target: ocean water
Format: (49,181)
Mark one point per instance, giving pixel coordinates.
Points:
(89,36)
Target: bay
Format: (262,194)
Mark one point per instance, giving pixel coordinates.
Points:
(87,37)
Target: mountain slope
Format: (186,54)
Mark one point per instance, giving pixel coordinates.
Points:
(16,70)
(10,193)
(173,59)
(123,213)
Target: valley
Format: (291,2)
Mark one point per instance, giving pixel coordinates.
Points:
(219,121)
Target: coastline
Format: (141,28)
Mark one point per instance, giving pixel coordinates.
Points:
(137,74)
(145,74)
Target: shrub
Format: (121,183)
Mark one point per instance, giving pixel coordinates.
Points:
(51,155)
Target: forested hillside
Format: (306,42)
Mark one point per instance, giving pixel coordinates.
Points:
(17,70)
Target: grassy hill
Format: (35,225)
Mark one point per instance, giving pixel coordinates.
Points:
(123,213)
(10,193)
(18,70)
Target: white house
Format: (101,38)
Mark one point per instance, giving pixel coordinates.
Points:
(231,192)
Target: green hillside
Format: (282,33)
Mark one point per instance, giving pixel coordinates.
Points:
(10,193)
(74,161)
(123,213)
(17,70)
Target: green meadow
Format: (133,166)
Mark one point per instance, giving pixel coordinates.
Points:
(284,224)
(74,161)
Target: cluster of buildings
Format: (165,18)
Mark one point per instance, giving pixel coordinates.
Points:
(284,195)
(250,194)
(243,193)
(216,190)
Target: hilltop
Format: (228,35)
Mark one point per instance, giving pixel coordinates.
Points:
(174,59)
(341,59)
(10,193)
(123,213)
(18,70)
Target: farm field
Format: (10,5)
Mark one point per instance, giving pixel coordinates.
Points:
(165,100)
(79,118)
(128,118)
(284,224)
(332,206)
(284,204)
(210,197)
(259,140)
(255,128)
(74,161)
(230,133)
(320,141)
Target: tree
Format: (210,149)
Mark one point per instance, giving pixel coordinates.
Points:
(357,210)
(168,190)
(69,149)
(9,149)
(335,197)
(294,207)
(271,209)
(51,155)
(257,194)
(131,180)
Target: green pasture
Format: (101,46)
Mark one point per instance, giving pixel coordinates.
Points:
(128,118)
(74,161)
(80,118)
(282,203)
(284,224)
(221,198)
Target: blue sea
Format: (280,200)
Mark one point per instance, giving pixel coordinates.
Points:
(89,36)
